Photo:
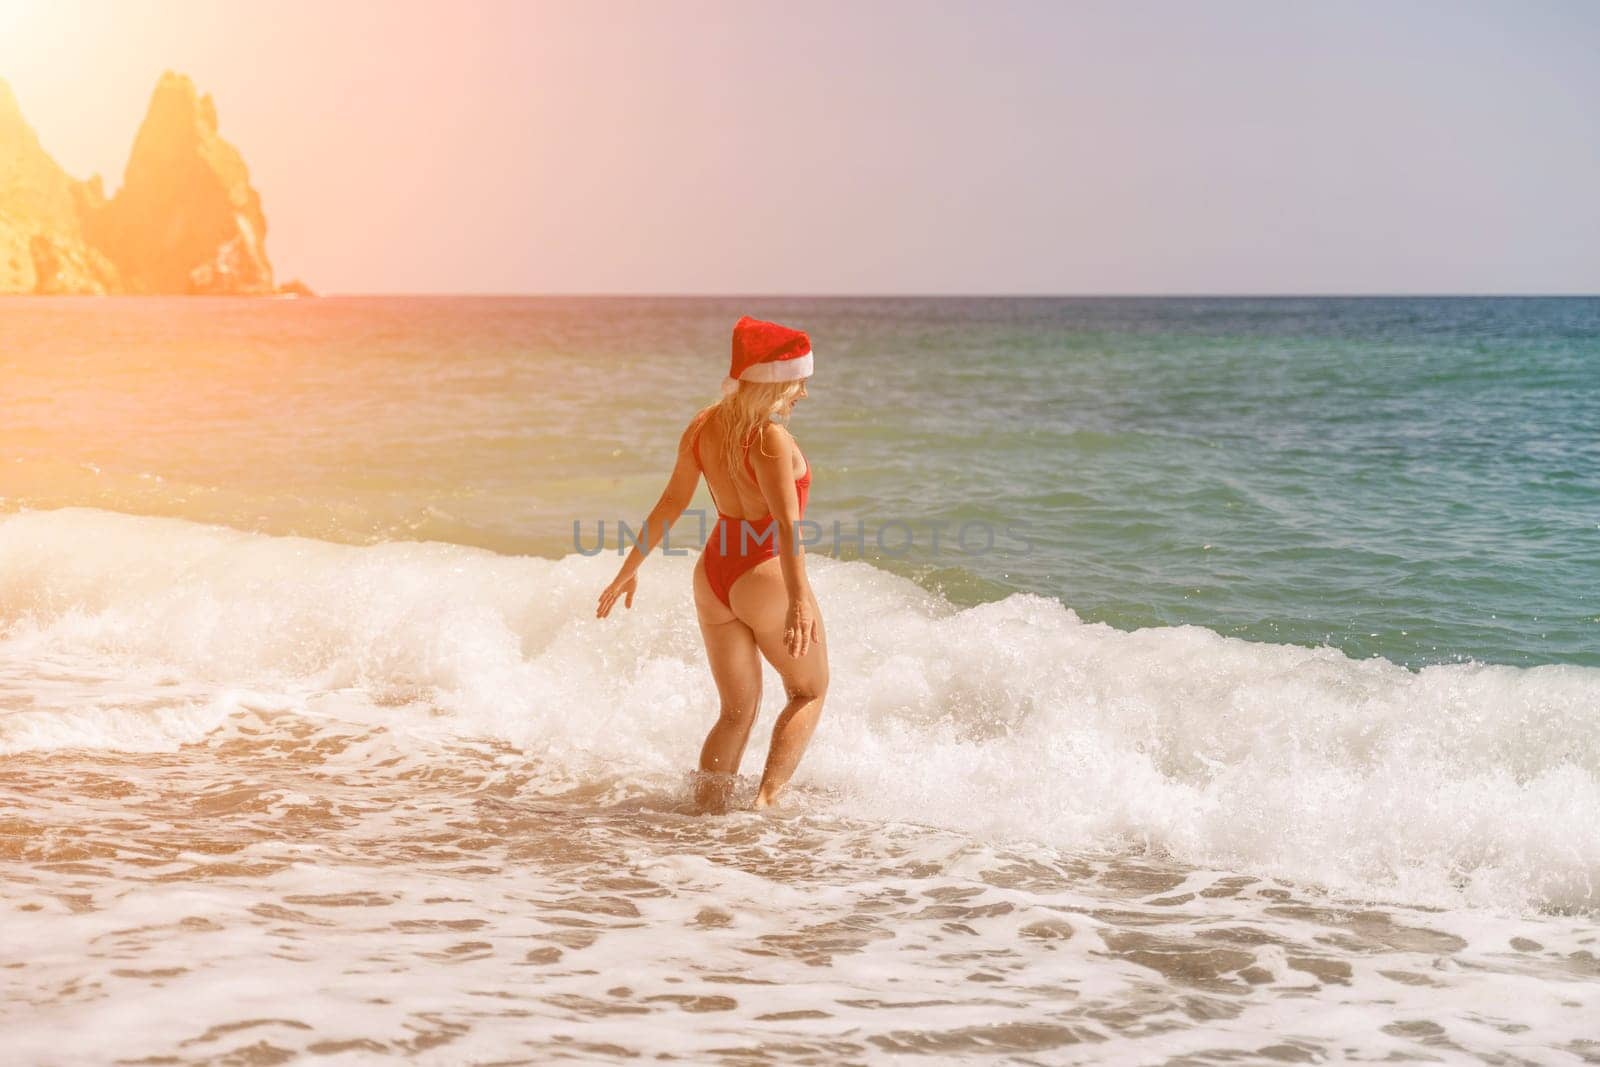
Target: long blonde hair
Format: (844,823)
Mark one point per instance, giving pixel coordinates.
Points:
(744,411)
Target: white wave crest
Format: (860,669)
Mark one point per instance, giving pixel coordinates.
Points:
(1014,719)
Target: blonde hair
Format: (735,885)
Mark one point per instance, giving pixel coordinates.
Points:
(744,411)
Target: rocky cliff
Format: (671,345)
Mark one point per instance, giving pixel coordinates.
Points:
(43,215)
(186,219)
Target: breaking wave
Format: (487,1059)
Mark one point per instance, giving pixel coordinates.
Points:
(1461,783)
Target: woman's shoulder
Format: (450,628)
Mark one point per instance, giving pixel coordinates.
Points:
(775,434)
(774,442)
(697,423)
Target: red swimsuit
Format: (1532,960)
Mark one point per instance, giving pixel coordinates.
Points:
(738,544)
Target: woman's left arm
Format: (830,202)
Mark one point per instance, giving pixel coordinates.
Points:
(674,499)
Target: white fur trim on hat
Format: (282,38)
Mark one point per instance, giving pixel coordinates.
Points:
(780,370)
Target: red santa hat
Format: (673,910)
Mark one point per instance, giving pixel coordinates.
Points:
(767,352)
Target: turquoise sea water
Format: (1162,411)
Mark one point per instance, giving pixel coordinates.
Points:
(1415,478)
(312,746)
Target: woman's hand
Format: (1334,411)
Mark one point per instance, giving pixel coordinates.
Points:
(620,586)
(800,633)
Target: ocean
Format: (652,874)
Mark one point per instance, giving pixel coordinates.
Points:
(1213,680)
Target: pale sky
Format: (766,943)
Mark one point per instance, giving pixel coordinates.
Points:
(873,146)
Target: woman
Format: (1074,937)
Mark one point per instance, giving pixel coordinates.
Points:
(750,587)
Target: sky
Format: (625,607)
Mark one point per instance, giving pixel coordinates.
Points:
(869,146)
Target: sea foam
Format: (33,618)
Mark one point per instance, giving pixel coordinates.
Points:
(1012,720)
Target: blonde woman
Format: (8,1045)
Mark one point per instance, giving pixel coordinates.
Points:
(750,587)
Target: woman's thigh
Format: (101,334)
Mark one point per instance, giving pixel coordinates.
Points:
(761,602)
(730,649)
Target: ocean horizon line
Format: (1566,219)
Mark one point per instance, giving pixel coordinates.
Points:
(596,294)
(645,295)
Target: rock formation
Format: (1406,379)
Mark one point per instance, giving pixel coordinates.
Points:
(186,219)
(43,216)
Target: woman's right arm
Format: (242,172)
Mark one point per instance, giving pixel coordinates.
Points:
(771,455)
(674,499)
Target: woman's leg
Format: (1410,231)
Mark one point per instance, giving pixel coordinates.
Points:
(761,602)
(736,668)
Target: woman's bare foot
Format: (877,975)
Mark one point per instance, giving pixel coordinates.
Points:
(713,792)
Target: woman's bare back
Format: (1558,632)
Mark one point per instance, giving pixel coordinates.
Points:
(734,492)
